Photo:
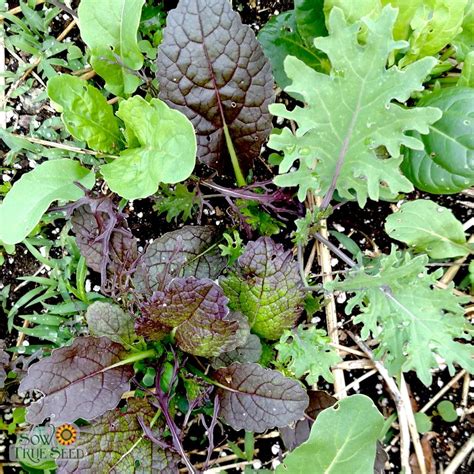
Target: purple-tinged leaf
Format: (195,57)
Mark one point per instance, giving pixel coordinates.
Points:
(105,319)
(76,381)
(114,443)
(183,252)
(212,69)
(266,287)
(292,437)
(196,310)
(250,351)
(4,362)
(103,236)
(257,399)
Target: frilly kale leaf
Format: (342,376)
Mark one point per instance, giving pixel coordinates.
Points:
(307,352)
(414,321)
(266,287)
(349,114)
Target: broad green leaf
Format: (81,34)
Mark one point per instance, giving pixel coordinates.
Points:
(32,194)
(166,151)
(280,38)
(354,11)
(86,114)
(446,166)
(423,422)
(105,319)
(399,304)
(464,41)
(342,440)
(434,24)
(427,227)
(310,20)
(109,28)
(466,79)
(306,352)
(350,113)
(406,11)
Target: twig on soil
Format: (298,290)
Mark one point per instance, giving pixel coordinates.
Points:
(61,146)
(451,272)
(415,437)
(331,312)
(37,61)
(465,389)
(399,404)
(452,382)
(460,456)
(347,350)
(16,10)
(3,113)
(355,364)
(355,383)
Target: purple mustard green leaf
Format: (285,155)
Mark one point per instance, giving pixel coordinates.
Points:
(189,251)
(248,352)
(116,443)
(110,320)
(256,399)
(212,68)
(77,382)
(103,236)
(197,313)
(265,286)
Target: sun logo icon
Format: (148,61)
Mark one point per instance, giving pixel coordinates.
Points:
(66,434)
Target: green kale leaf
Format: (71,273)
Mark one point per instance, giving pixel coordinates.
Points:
(349,114)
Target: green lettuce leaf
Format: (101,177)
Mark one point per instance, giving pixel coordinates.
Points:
(86,113)
(165,151)
(414,321)
(350,113)
(109,28)
(464,41)
(33,193)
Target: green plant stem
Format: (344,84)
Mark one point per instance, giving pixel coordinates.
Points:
(249,445)
(132,358)
(233,157)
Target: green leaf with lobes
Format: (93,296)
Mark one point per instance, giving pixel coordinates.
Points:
(446,165)
(351,113)
(399,304)
(428,227)
(109,28)
(266,287)
(212,68)
(165,151)
(30,196)
(86,113)
(77,381)
(116,443)
(256,399)
(306,352)
(343,439)
(197,313)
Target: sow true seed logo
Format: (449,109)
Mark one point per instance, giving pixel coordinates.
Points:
(44,443)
